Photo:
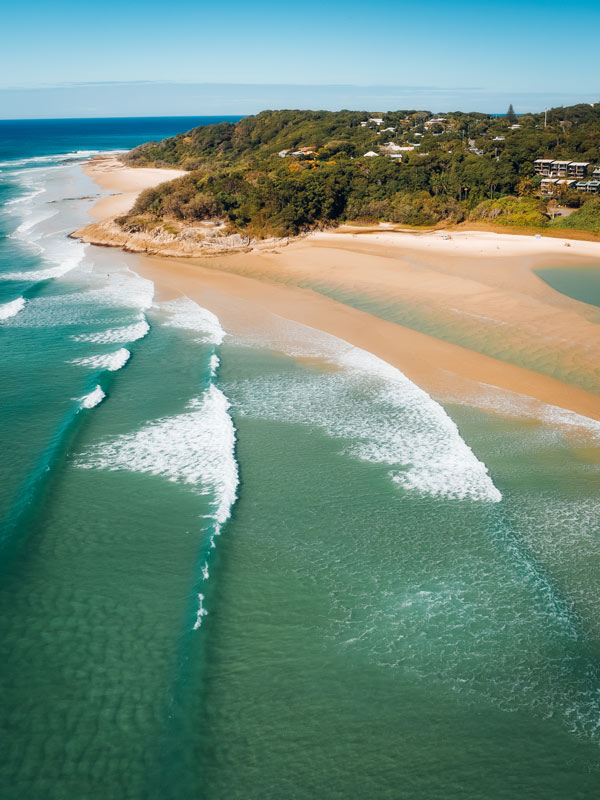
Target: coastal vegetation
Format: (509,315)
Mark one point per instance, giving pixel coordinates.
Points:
(283,172)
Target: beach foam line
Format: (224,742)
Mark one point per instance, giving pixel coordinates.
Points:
(515,404)
(110,361)
(8,310)
(28,197)
(195,449)
(93,399)
(127,333)
(60,157)
(382,416)
(186,314)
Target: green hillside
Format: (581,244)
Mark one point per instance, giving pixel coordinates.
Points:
(282,172)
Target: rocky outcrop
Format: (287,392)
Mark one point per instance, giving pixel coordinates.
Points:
(165,238)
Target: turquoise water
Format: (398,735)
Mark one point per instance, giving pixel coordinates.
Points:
(397,600)
(581,284)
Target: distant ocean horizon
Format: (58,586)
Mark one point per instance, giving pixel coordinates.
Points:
(251,566)
(172,98)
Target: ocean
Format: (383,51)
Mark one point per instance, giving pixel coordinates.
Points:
(251,566)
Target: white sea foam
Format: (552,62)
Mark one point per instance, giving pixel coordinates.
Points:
(61,254)
(127,333)
(514,404)
(35,191)
(376,409)
(93,398)
(195,448)
(185,313)
(214,364)
(60,157)
(31,222)
(8,310)
(109,361)
(122,289)
(201,612)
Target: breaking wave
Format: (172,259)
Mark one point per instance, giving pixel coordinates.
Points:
(110,361)
(127,333)
(92,399)
(8,310)
(387,418)
(185,313)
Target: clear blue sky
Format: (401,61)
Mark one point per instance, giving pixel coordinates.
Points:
(451,51)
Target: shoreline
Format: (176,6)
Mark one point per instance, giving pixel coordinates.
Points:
(479,280)
(125,183)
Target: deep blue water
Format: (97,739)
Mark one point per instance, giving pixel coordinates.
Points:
(40,137)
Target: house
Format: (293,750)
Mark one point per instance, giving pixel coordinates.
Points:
(390,130)
(435,121)
(370,154)
(303,151)
(577,169)
(548,186)
(552,186)
(543,166)
(596,173)
(476,151)
(396,156)
(376,120)
(283,153)
(559,168)
(588,186)
(390,147)
(498,138)
(514,127)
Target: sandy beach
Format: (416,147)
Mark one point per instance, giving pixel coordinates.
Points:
(479,315)
(125,184)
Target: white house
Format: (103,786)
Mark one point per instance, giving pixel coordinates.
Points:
(370,154)
(376,120)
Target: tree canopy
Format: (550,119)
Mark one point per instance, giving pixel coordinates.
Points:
(282,172)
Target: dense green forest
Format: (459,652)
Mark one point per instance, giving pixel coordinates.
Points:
(283,172)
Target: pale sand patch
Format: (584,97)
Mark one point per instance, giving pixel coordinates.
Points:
(127,182)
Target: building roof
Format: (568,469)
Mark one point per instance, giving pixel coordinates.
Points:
(580,163)
(371,153)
